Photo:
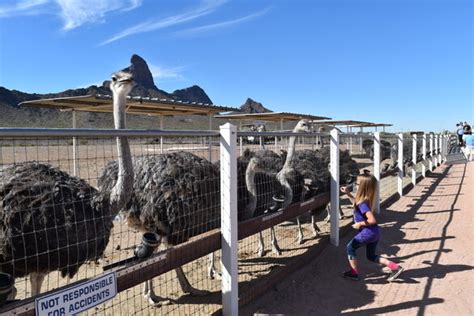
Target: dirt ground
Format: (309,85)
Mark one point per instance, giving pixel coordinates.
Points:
(429,231)
(92,158)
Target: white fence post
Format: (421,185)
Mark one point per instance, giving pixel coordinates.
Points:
(413,159)
(75,165)
(161,137)
(334,187)
(229,224)
(436,150)
(400,164)
(377,170)
(431,153)
(423,148)
(440,144)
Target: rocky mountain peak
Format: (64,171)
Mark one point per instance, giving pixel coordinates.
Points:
(252,106)
(141,73)
(192,94)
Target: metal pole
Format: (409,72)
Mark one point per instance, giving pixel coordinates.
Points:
(377,170)
(400,164)
(229,224)
(360,140)
(431,153)
(75,169)
(436,150)
(413,159)
(161,138)
(334,167)
(423,167)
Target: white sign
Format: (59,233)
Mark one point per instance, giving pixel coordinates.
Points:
(78,298)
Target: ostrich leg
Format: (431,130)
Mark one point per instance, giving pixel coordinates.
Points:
(261,245)
(186,286)
(314,225)
(36,280)
(300,239)
(211,269)
(151,297)
(275,248)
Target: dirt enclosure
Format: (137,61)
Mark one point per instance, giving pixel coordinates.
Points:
(91,158)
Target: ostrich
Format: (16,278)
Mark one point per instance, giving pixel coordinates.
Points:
(314,167)
(51,221)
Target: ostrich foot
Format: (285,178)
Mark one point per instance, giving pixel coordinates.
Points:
(261,247)
(151,297)
(156,300)
(186,286)
(260,251)
(316,230)
(300,239)
(276,249)
(213,274)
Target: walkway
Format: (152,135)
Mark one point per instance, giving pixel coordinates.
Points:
(430,231)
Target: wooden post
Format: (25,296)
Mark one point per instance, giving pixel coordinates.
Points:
(75,166)
(334,167)
(229,224)
(413,160)
(440,142)
(436,150)
(377,170)
(423,167)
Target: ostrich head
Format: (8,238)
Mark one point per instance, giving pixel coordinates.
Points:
(122,83)
(302,126)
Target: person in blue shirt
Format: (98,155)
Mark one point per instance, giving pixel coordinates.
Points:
(368,232)
(460,133)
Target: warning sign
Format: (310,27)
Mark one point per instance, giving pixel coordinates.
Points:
(78,298)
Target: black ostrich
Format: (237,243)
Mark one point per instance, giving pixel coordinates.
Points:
(51,221)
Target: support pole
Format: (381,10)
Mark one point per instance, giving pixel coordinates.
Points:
(209,155)
(350,140)
(161,137)
(435,150)
(400,164)
(241,139)
(360,140)
(334,167)
(75,166)
(440,149)
(423,167)
(431,153)
(377,170)
(229,224)
(413,160)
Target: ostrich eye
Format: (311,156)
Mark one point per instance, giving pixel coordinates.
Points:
(114,79)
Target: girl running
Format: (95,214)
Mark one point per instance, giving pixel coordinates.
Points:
(365,223)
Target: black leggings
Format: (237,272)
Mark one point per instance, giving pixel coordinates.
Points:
(370,248)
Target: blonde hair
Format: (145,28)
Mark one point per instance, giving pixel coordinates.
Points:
(366,190)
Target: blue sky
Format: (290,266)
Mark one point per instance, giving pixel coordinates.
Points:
(406,62)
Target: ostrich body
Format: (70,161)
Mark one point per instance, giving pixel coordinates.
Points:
(51,221)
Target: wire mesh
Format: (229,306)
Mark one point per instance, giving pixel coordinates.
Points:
(60,225)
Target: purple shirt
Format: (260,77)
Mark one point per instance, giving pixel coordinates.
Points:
(367,234)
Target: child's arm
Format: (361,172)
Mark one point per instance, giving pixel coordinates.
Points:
(370,221)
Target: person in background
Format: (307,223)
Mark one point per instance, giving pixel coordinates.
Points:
(368,231)
(468,139)
(460,133)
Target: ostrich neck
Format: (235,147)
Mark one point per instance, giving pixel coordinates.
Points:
(252,188)
(122,190)
(282,175)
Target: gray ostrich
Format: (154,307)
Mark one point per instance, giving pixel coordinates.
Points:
(314,168)
(176,196)
(51,221)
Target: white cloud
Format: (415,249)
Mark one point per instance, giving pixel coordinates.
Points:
(161,73)
(220,25)
(206,7)
(74,13)
(24,7)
